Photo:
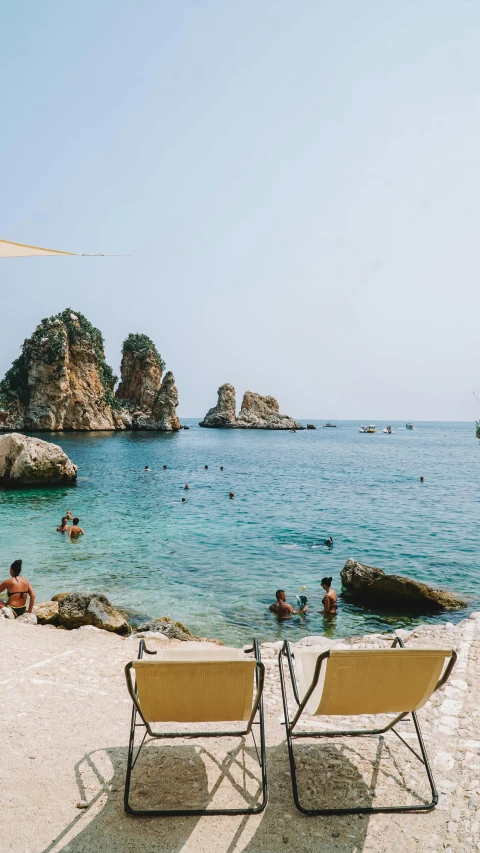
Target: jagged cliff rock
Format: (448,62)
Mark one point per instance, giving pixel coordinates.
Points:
(61,381)
(141,372)
(223,414)
(259,412)
(163,416)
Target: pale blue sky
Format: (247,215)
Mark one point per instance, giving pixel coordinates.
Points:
(298,186)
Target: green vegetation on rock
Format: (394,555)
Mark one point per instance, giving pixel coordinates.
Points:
(142,346)
(48,344)
(477,433)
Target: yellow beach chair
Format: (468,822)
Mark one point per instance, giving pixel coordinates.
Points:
(194,686)
(363,681)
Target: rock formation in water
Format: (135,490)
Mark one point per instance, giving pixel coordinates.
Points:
(257,412)
(146,401)
(371,586)
(140,372)
(223,414)
(61,381)
(27,461)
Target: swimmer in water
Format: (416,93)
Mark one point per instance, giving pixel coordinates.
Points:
(422,479)
(329,600)
(75,531)
(186,486)
(68,514)
(184,500)
(147,468)
(231,495)
(282,609)
(328,542)
(221,467)
(64,528)
(206,467)
(164,467)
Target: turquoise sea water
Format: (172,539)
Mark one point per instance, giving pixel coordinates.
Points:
(214,563)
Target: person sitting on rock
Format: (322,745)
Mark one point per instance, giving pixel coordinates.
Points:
(281,608)
(64,527)
(75,531)
(17,591)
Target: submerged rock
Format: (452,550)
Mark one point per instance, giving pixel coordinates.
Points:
(164,625)
(78,609)
(27,461)
(369,585)
(224,413)
(311,426)
(259,412)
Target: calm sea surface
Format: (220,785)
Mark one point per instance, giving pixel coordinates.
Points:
(214,563)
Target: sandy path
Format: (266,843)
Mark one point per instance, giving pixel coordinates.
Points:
(65,723)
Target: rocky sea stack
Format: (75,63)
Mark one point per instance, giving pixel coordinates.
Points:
(257,412)
(61,381)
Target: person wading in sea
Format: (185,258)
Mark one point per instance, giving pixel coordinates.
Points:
(281,608)
(17,591)
(329,600)
(64,527)
(75,531)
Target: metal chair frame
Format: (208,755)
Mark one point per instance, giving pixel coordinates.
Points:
(291,735)
(257,710)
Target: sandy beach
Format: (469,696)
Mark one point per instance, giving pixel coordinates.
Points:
(66,715)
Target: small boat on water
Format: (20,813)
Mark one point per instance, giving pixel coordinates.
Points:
(389,430)
(370,428)
(328,424)
(409,426)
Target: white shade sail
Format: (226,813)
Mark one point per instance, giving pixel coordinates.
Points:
(22,250)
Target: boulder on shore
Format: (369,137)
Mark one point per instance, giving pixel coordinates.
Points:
(170,629)
(223,414)
(369,585)
(77,609)
(46,613)
(27,461)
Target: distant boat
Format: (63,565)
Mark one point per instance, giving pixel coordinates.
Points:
(409,426)
(370,428)
(328,424)
(389,430)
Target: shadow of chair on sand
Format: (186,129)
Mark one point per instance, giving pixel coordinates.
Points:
(197,776)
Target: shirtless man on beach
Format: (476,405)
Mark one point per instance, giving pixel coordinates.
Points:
(75,531)
(281,608)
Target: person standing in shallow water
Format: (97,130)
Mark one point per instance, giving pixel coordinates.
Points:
(75,531)
(281,608)
(17,590)
(64,527)
(329,600)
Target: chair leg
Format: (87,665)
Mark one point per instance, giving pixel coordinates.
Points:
(196,812)
(359,809)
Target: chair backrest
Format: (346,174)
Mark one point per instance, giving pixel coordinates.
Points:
(196,686)
(370,681)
